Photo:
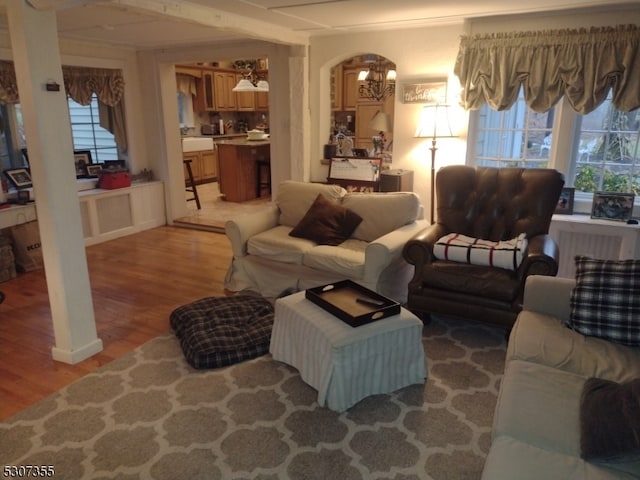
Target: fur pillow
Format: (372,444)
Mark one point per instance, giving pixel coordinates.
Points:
(326,222)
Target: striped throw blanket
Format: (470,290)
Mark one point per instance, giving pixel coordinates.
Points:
(506,254)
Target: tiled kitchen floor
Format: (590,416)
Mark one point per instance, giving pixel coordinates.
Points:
(215,211)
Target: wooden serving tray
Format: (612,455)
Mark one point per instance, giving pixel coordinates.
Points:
(346,300)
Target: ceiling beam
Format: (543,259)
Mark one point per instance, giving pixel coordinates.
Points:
(211,17)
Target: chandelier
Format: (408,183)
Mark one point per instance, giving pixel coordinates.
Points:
(379,81)
(251,81)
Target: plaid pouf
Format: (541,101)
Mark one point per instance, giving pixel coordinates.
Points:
(219,331)
(605,302)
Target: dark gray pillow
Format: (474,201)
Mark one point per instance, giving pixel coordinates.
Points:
(610,421)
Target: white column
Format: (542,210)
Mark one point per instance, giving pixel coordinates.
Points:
(288,114)
(34,42)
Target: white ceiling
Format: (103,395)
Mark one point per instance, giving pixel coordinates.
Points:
(147,24)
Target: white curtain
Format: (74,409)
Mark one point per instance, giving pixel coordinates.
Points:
(186,84)
(582,65)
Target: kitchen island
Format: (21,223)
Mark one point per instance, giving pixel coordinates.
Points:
(238,159)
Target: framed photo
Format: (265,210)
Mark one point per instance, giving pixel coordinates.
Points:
(612,206)
(426,91)
(565,202)
(19,177)
(360,152)
(93,170)
(23,197)
(82,158)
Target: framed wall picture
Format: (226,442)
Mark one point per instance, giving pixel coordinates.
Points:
(612,206)
(82,158)
(425,91)
(565,202)
(19,177)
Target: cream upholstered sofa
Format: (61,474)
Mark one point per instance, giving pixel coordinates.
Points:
(537,424)
(268,260)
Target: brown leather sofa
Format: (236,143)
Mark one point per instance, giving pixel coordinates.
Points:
(491,204)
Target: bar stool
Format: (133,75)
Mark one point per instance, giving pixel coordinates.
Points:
(263,176)
(191,184)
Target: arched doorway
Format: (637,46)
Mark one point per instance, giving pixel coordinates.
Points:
(362,105)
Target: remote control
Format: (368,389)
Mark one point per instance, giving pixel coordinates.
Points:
(370,301)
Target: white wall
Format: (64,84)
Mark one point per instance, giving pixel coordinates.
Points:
(419,54)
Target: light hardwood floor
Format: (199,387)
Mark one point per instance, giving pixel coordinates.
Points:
(136,281)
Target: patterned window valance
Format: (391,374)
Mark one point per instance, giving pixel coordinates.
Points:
(80,83)
(579,64)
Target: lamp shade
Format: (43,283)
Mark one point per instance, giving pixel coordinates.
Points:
(244,85)
(262,86)
(434,122)
(380,122)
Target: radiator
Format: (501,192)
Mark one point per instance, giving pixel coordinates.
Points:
(582,235)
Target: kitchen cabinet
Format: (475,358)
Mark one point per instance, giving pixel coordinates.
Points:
(224,96)
(350,85)
(204,101)
(246,101)
(337,82)
(204,165)
(262,98)
(214,90)
(365,111)
(238,175)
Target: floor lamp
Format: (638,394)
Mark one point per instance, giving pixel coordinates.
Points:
(434,123)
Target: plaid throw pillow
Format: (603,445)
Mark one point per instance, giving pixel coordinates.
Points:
(605,302)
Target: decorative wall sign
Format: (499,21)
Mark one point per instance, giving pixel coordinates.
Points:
(427,91)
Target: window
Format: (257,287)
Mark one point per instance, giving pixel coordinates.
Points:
(608,154)
(88,134)
(185,110)
(12,140)
(518,137)
(597,151)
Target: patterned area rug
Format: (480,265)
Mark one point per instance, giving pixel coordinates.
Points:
(148,415)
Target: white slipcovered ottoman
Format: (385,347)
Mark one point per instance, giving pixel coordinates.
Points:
(346,364)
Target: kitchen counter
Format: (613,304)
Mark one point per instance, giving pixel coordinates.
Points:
(238,160)
(243,142)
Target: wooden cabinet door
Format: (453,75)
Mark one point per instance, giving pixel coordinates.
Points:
(219,84)
(262,98)
(196,167)
(350,89)
(204,100)
(231,96)
(337,83)
(225,97)
(246,101)
(364,113)
(209,164)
